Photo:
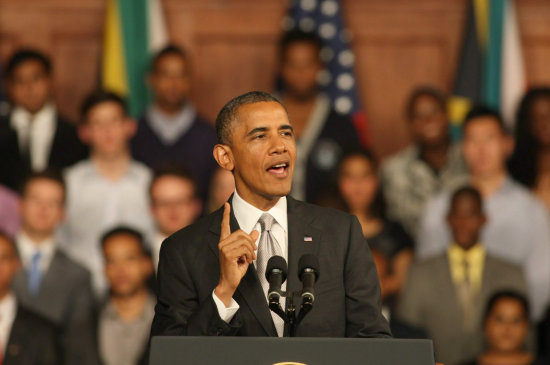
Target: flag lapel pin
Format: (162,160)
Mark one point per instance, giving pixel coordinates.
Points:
(308,239)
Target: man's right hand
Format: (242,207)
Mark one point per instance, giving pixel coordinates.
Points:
(236,251)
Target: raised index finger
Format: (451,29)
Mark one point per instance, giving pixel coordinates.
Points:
(226,229)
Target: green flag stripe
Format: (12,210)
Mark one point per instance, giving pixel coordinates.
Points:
(492,67)
(134,28)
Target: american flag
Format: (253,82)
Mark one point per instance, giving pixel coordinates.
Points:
(337,80)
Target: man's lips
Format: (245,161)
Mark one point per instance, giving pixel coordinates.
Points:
(279,169)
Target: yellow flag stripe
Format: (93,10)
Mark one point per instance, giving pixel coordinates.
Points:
(481,10)
(457,108)
(113,61)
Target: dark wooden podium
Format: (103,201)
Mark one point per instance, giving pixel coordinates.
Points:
(270,351)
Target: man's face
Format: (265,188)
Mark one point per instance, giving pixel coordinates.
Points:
(299,69)
(42,206)
(428,122)
(9,264)
(358,183)
(485,146)
(170,81)
(507,326)
(466,220)
(173,203)
(126,266)
(107,129)
(540,120)
(30,86)
(262,151)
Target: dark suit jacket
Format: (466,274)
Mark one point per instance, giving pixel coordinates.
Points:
(347,300)
(33,341)
(66,149)
(65,298)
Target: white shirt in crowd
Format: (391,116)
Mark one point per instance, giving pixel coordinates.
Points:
(35,132)
(8,311)
(247,216)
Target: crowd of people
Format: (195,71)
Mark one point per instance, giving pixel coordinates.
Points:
(459,230)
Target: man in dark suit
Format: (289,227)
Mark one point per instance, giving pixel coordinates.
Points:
(25,338)
(34,136)
(50,283)
(171,131)
(212,273)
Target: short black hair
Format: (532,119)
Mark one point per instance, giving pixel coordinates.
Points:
(125,230)
(230,110)
(507,294)
(468,191)
(173,170)
(170,49)
(298,36)
(50,174)
(425,90)
(483,111)
(99,97)
(24,55)
(10,241)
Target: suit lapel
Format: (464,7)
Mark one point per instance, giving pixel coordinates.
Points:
(447,288)
(303,238)
(249,291)
(16,341)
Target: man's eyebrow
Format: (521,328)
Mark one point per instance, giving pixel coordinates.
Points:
(256,130)
(287,126)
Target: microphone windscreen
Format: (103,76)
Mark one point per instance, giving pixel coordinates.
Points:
(308,261)
(276,262)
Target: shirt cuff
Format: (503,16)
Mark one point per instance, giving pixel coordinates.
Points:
(226,313)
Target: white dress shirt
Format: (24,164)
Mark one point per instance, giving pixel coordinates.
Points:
(247,216)
(96,204)
(156,243)
(8,311)
(27,248)
(37,130)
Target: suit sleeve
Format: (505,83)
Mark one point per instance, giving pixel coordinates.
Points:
(179,312)
(78,338)
(363,303)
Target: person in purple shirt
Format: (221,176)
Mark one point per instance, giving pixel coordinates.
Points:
(9,214)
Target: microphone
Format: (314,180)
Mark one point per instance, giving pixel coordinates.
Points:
(275,274)
(308,272)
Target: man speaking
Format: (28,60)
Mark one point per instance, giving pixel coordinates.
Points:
(211,277)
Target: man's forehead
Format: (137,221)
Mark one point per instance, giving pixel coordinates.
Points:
(251,115)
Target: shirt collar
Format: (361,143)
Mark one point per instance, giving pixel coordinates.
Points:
(8,306)
(91,171)
(27,247)
(247,215)
(21,116)
(457,253)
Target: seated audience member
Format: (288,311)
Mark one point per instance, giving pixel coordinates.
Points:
(174,204)
(322,134)
(361,196)
(34,136)
(171,131)
(26,338)
(430,164)
(517,229)
(107,189)
(50,283)
(445,294)
(221,188)
(399,329)
(530,162)
(9,212)
(506,326)
(125,319)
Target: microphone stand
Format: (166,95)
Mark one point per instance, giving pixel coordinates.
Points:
(289,316)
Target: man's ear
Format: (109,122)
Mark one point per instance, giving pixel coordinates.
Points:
(510,145)
(224,156)
(84,133)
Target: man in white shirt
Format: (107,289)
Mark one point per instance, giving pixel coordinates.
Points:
(106,190)
(38,136)
(211,277)
(50,283)
(174,204)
